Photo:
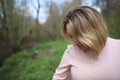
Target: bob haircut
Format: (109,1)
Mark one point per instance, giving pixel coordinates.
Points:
(88,27)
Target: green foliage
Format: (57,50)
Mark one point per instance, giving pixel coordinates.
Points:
(22,66)
(111,12)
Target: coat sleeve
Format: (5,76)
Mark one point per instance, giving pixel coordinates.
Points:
(63,69)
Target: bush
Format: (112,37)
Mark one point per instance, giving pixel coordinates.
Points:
(23,66)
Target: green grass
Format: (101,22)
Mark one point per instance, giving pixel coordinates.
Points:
(21,66)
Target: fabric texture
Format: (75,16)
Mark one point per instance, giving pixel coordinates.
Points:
(81,66)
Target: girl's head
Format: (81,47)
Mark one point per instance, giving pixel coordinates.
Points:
(86,28)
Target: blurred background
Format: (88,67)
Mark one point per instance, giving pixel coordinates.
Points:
(30,27)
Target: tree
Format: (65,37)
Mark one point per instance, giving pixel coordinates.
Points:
(13,26)
(56,13)
(111,10)
(53,21)
(40,28)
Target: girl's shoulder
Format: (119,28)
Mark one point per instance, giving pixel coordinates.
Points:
(72,47)
(113,40)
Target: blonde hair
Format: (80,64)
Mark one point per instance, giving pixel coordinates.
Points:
(88,27)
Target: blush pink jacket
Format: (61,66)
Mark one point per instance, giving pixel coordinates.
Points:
(80,66)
